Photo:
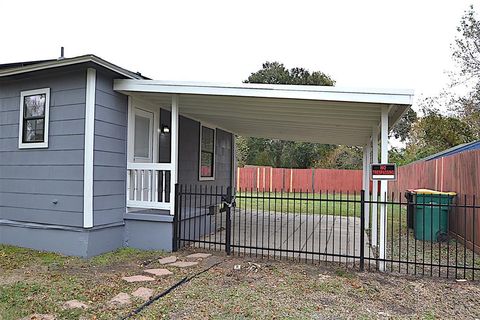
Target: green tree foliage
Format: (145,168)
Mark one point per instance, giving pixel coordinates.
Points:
(402,128)
(281,153)
(342,157)
(435,132)
(276,73)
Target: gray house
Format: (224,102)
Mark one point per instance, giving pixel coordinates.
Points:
(90,152)
(85,169)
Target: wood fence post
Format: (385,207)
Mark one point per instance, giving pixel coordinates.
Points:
(291,179)
(238,178)
(263,189)
(271,179)
(258,178)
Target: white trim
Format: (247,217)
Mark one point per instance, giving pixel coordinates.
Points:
(148,205)
(130,129)
(67,62)
(383,185)
(367,183)
(174,114)
(374,188)
(149,166)
(44,143)
(387,96)
(212,178)
(89,141)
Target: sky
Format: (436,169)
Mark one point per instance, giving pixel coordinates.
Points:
(365,44)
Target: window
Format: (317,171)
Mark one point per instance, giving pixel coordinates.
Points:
(207,153)
(34,113)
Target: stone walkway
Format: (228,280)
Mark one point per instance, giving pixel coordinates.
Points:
(145,293)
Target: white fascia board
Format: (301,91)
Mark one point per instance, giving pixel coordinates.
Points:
(397,97)
(67,62)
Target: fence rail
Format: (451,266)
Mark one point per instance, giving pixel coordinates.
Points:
(421,236)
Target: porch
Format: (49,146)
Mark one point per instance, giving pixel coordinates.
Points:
(299,113)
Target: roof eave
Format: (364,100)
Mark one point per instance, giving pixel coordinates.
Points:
(71,61)
(268,91)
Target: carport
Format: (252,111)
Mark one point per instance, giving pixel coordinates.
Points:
(328,115)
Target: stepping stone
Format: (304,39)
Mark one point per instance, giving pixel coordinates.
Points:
(120,299)
(184,264)
(143,293)
(74,304)
(167,260)
(158,272)
(198,255)
(37,316)
(138,279)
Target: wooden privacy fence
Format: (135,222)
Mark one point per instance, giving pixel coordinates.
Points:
(312,180)
(459,173)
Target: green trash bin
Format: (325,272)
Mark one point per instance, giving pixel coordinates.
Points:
(432,209)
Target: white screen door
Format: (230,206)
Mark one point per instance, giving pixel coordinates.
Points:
(143,141)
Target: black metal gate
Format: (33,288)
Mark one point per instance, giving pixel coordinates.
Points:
(330,227)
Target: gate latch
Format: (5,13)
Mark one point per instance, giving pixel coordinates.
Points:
(228,204)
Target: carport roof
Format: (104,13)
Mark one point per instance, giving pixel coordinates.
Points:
(330,115)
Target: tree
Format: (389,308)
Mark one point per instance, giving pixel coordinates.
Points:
(436,131)
(466,54)
(466,48)
(276,73)
(342,157)
(281,153)
(402,128)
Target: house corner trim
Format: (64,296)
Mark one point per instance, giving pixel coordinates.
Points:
(88,152)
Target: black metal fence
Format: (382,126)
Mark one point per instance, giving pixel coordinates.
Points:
(428,235)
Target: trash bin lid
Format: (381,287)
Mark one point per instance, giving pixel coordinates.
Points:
(429,191)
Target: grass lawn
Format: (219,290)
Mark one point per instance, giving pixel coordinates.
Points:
(37,282)
(300,202)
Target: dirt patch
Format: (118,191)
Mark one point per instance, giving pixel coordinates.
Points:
(237,288)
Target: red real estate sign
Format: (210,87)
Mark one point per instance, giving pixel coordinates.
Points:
(386,171)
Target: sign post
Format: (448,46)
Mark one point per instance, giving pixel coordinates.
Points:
(383,172)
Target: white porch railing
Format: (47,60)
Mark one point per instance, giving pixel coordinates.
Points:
(148,185)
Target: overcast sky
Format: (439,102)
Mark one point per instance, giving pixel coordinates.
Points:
(376,44)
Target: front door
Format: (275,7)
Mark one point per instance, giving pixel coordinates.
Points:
(143,137)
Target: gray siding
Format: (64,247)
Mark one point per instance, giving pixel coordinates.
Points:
(31,180)
(189,153)
(110,151)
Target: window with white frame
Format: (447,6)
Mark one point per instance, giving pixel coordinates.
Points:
(207,153)
(34,118)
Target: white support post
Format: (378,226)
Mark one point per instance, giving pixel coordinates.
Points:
(383,186)
(374,189)
(364,165)
(368,150)
(173,152)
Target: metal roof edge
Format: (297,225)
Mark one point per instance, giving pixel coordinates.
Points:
(450,151)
